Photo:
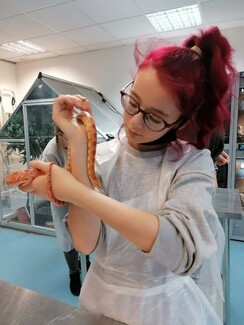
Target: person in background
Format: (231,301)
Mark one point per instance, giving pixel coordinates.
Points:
(222,169)
(56,151)
(219,156)
(223,159)
(156,239)
(216,146)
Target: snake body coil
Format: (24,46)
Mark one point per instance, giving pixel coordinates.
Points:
(26,176)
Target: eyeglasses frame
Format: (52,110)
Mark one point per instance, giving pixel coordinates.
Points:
(166,125)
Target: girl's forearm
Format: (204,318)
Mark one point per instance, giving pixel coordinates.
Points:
(83,225)
(84,228)
(138,226)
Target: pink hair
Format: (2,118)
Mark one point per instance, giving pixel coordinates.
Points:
(201,83)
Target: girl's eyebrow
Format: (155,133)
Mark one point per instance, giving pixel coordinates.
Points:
(157,111)
(132,91)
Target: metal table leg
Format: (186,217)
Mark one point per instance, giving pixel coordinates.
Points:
(226,271)
(83,266)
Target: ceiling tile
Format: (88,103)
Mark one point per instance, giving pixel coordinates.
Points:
(56,17)
(131,27)
(107,10)
(53,42)
(128,41)
(23,27)
(227,11)
(103,45)
(29,5)
(160,5)
(71,51)
(6,37)
(7,11)
(89,35)
(37,56)
(4,54)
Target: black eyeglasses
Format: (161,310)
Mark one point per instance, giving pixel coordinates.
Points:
(151,120)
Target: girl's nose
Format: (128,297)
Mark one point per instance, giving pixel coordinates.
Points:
(137,120)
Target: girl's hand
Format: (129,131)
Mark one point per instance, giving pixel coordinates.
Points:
(64,117)
(60,181)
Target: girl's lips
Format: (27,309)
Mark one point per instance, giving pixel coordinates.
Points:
(132,133)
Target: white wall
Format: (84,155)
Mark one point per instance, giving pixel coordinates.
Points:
(8,75)
(106,70)
(8,84)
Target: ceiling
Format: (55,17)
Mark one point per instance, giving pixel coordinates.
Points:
(72,26)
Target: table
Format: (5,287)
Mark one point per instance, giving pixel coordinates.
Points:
(19,306)
(227,204)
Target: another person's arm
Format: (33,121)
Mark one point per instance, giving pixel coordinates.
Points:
(223,159)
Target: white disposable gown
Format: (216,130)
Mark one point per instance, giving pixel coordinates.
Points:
(138,288)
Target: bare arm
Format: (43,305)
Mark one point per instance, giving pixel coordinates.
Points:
(83,225)
(139,227)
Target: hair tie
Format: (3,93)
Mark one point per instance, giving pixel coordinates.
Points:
(197,50)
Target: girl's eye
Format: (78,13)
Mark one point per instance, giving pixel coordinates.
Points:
(132,103)
(154,118)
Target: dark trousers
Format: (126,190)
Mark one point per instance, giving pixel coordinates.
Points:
(73,262)
(72,259)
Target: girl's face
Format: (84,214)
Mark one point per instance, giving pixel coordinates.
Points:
(63,140)
(152,97)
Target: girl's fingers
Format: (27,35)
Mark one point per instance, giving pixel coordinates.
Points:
(68,102)
(37,164)
(31,186)
(36,187)
(78,101)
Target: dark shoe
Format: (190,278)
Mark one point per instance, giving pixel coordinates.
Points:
(75,283)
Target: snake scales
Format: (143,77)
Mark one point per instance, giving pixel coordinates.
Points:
(26,176)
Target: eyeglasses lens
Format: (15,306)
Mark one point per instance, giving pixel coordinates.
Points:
(130,104)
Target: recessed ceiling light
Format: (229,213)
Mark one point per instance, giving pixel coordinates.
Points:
(178,18)
(22,47)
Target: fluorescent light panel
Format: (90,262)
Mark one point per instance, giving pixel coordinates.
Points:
(178,18)
(22,47)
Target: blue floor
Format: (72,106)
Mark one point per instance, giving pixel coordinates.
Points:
(35,262)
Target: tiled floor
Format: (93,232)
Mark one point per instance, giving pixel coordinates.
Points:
(35,262)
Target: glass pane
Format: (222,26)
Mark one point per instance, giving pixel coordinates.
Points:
(14,206)
(42,213)
(40,128)
(14,203)
(41,91)
(107,118)
(61,87)
(14,127)
(239,183)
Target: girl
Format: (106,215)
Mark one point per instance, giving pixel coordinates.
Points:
(154,234)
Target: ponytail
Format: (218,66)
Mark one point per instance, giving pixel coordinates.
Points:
(200,76)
